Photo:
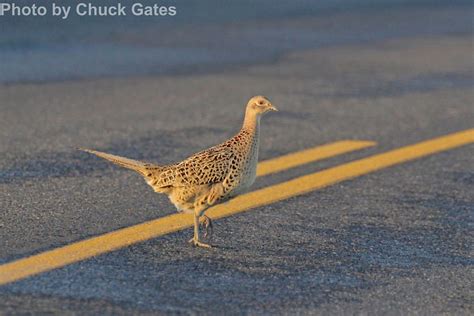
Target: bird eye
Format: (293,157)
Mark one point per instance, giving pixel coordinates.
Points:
(260,102)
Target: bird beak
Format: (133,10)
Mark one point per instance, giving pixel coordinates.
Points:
(272,108)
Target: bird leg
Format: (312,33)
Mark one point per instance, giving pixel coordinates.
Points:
(195,240)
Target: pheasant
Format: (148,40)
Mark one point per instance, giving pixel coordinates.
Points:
(208,177)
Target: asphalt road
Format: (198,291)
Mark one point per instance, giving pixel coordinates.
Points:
(398,241)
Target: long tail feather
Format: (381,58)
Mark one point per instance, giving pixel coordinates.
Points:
(138,166)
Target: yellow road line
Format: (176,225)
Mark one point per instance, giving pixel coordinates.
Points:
(310,155)
(81,250)
(340,173)
(85,249)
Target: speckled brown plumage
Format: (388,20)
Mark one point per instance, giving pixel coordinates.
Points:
(210,176)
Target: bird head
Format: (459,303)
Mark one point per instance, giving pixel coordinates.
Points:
(260,105)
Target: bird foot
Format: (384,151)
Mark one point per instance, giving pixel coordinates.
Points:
(197,243)
(208,226)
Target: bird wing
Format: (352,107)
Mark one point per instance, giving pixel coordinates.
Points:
(206,167)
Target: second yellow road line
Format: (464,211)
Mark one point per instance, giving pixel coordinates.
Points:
(85,249)
(310,155)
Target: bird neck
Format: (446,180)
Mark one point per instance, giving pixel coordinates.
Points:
(251,122)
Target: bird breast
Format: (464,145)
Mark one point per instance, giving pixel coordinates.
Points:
(249,172)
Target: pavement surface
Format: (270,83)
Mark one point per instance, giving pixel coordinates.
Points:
(397,241)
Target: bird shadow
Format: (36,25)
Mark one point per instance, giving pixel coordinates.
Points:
(157,146)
